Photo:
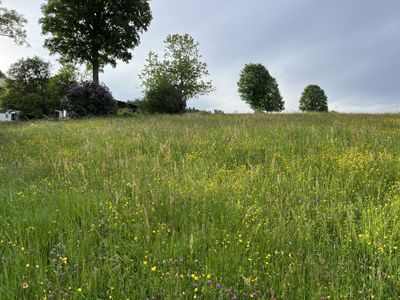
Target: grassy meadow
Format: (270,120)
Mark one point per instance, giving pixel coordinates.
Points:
(201,206)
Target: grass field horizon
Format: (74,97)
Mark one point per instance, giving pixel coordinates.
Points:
(265,206)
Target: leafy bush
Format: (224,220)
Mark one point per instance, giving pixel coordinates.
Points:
(125,112)
(89,99)
(163,98)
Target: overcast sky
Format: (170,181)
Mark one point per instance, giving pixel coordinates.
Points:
(351,48)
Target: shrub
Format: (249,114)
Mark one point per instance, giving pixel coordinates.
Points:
(89,99)
(163,98)
(125,112)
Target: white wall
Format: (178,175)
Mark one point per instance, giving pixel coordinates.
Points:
(5,117)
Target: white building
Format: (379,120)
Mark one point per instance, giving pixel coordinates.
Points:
(8,116)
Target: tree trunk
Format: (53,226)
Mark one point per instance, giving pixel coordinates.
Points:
(96,70)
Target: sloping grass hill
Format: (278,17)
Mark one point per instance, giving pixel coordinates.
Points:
(201,206)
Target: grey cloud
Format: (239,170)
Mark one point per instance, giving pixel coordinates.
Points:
(349,47)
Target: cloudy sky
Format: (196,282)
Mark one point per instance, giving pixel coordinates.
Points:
(351,48)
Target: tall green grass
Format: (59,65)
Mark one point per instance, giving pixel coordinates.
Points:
(201,206)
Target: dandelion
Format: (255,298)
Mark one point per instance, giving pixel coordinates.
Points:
(153,269)
(79,290)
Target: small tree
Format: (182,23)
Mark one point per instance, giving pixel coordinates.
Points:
(314,99)
(95,32)
(26,88)
(12,25)
(259,89)
(181,67)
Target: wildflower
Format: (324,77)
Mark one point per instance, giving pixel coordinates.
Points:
(195,277)
(218,286)
(79,290)
(209,282)
(25,285)
(145,263)
(153,269)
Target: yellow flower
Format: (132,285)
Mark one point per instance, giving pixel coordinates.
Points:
(153,269)
(25,285)
(145,263)
(79,290)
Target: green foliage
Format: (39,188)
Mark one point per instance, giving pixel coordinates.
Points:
(282,206)
(29,75)
(181,67)
(259,89)
(163,98)
(31,89)
(125,112)
(60,83)
(26,88)
(12,25)
(88,99)
(95,32)
(314,99)
(2,82)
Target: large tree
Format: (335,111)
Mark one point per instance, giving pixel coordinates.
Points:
(95,32)
(259,89)
(181,67)
(12,25)
(314,99)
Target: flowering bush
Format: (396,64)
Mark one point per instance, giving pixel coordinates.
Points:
(89,99)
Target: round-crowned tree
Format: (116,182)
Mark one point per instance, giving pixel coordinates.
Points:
(259,89)
(314,99)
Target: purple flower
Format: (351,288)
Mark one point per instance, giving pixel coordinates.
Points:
(218,286)
(209,282)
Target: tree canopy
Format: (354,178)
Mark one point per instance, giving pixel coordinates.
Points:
(12,25)
(25,87)
(259,89)
(95,32)
(182,67)
(314,99)
(30,88)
